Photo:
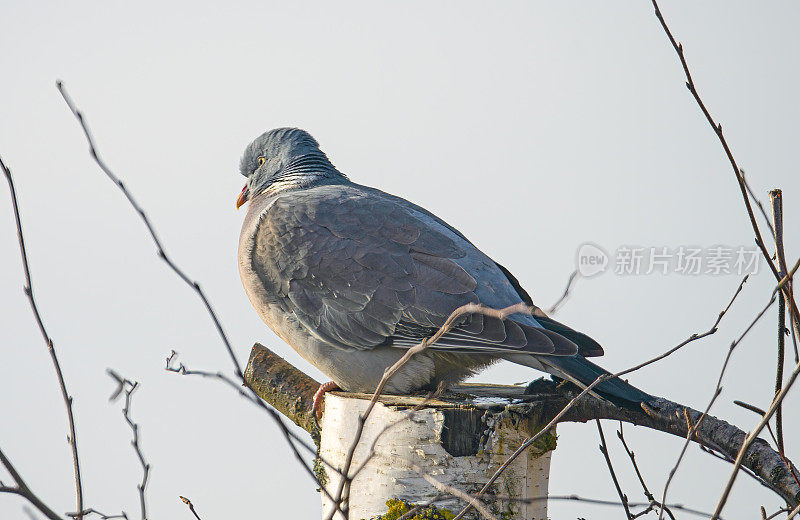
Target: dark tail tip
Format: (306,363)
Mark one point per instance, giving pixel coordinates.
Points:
(619,392)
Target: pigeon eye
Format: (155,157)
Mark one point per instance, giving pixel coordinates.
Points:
(262,160)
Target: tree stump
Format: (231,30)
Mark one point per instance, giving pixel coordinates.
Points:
(459,440)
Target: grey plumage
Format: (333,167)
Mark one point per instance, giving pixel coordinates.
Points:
(350,277)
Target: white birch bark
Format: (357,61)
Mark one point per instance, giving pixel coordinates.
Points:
(419,442)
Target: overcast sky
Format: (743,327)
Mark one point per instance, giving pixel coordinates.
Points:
(532,127)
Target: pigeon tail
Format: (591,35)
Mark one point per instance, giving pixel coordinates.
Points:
(583,372)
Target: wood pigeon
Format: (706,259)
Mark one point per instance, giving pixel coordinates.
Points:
(351,277)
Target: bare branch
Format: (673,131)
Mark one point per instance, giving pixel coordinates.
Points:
(779,369)
(752,436)
(128,387)
(778,512)
(717,391)
(632,456)
(284,387)
(161,251)
(547,399)
(646,491)
(103,516)
(22,489)
(573,278)
(288,435)
(597,501)
(238,388)
(780,276)
(776,198)
(757,201)
(604,450)
(791,304)
(72,439)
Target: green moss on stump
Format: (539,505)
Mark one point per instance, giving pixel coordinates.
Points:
(547,442)
(398,508)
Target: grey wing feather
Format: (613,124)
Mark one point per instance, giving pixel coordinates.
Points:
(358,270)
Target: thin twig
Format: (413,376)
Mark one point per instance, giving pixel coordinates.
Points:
(566,498)
(419,507)
(103,516)
(717,392)
(724,457)
(290,437)
(162,253)
(21,488)
(407,416)
(565,295)
(761,412)
(775,403)
(690,436)
(648,495)
(72,439)
(604,450)
(128,387)
(645,490)
(778,512)
(413,511)
(776,199)
(597,501)
(444,488)
(191,506)
(791,304)
(752,436)
(786,291)
(530,440)
(758,202)
(779,370)
(238,388)
(693,337)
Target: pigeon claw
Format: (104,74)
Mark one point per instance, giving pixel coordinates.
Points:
(319,398)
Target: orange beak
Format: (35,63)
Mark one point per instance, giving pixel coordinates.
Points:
(243,196)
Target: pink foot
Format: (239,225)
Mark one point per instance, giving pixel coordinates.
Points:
(319,397)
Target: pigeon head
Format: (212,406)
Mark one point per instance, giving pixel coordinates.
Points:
(281,159)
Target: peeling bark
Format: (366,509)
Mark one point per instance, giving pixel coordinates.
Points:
(413,456)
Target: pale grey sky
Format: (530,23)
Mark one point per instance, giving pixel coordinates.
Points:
(531,126)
